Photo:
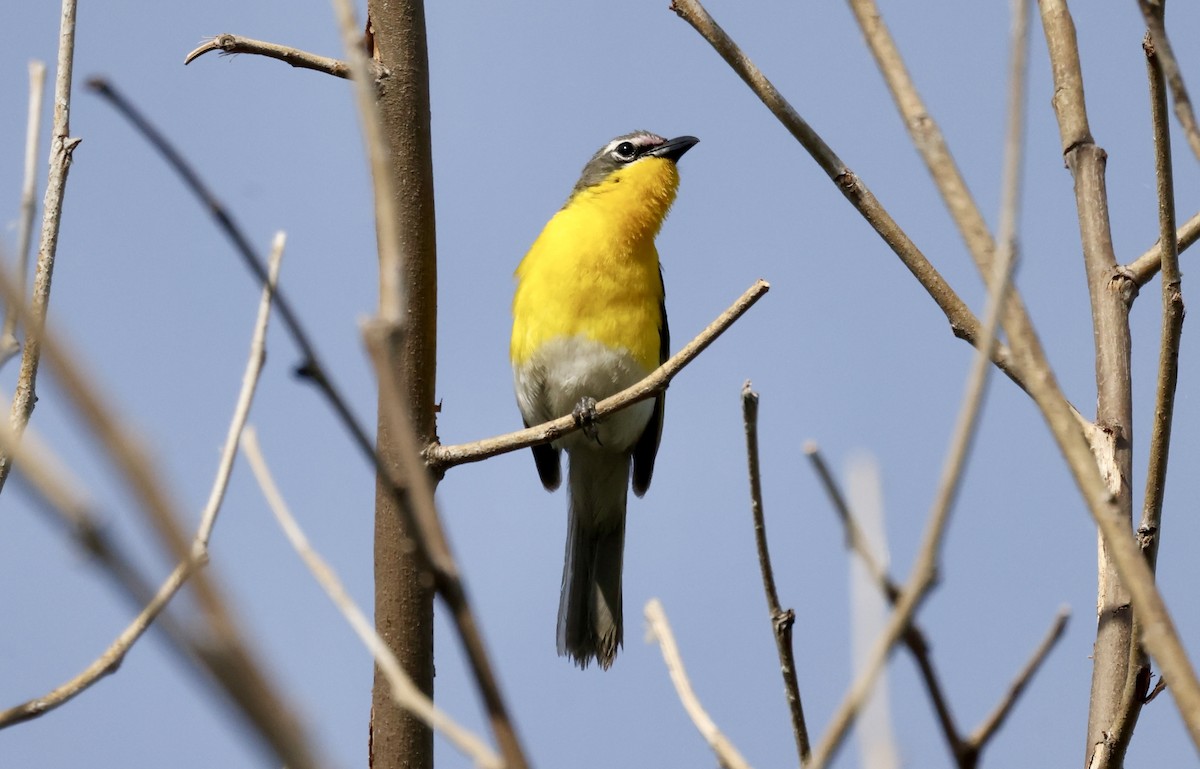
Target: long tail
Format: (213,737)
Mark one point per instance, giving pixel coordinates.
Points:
(589,611)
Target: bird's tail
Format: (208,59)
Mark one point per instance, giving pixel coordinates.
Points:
(589,611)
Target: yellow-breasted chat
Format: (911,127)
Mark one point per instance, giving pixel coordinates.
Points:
(589,320)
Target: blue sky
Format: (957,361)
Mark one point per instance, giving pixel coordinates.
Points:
(846,350)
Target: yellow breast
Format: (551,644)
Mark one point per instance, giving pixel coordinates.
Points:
(594,269)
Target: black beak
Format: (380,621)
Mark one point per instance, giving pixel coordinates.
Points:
(673,149)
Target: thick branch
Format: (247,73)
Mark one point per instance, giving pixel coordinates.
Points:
(1158,632)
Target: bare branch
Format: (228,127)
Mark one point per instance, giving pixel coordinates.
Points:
(1172,310)
(229,44)
(984,732)
(110,660)
(33,129)
(52,486)
(659,630)
(1153,11)
(61,147)
(1159,634)
(411,486)
(781,620)
(924,571)
(404,691)
(440,457)
(964,324)
(1145,267)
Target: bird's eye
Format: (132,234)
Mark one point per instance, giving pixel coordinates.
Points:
(625,151)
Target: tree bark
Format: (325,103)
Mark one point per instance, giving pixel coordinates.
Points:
(403,592)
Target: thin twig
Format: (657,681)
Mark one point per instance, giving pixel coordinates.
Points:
(931,144)
(61,147)
(33,129)
(781,620)
(659,630)
(229,44)
(404,691)
(963,323)
(988,727)
(1172,314)
(1143,269)
(224,654)
(914,638)
(441,457)
(924,571)
(1153,11)
(258,357)
(53,488)
(109,661)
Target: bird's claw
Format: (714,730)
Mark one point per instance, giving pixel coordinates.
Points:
(585,416)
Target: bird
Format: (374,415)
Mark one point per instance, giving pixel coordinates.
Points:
(589,320)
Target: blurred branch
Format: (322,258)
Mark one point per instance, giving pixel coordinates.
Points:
(440,457)
(61,148)
(110,660)
(966,750)
(404,691)
(660,630)
(931,144)
(924,571)
(1158,632)
(1145,267)
(987,729)
(963,323)
(428,551)
(1153,11)
(781,620)
(33,129)
(229,44)
(223,652)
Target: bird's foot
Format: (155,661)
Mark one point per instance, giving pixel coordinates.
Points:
(585,417)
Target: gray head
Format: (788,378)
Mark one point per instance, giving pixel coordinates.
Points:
(627,149)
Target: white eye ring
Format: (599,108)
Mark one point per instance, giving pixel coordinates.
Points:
(625,151)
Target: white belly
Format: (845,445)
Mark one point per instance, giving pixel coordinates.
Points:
(566,370)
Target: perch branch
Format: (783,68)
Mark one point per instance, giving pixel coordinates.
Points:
(404,691)
(781,620)
(440,457)
(660,630)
